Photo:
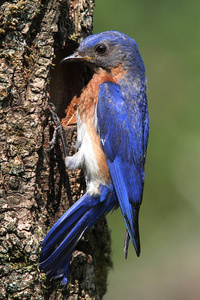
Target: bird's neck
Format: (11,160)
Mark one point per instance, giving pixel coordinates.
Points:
(129,80)
(118,72)
(132,84)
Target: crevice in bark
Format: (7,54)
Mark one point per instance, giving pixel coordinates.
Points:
(35,26)
(67,80)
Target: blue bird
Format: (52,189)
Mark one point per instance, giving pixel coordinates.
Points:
(112,136)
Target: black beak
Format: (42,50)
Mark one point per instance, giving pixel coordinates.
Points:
(75,57)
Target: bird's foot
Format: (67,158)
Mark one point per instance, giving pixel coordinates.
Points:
(58,130)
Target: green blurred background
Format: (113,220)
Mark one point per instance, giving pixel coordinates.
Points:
(168,35)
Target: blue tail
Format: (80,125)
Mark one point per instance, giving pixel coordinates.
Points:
(62,238)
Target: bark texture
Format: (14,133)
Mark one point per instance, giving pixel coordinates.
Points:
(35,188)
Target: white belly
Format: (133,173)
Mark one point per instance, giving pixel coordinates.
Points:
(88,157)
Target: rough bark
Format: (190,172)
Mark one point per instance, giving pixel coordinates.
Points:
(35,188)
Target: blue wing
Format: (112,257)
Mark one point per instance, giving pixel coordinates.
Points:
(62,238)
(123,129)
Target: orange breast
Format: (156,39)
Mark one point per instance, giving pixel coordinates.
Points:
(87,107)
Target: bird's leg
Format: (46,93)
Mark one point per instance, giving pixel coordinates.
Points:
(52,142)
(126,243)
(71,162)
(58,130)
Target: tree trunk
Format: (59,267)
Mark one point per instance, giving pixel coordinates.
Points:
(35,187)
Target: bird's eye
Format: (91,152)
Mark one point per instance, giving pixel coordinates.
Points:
(101,49)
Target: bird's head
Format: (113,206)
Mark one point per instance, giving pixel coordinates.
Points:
(108,50)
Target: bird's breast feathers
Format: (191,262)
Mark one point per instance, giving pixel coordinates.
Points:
(94,160)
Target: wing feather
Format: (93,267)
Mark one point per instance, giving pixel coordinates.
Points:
(123,130)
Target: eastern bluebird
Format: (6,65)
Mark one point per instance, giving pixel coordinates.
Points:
(112,135)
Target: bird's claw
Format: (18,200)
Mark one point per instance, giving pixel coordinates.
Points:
(58,130)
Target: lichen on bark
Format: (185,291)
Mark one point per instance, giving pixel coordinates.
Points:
(35,188)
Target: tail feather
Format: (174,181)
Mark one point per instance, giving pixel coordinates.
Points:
(63,226)
(61,240)
(61,270)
